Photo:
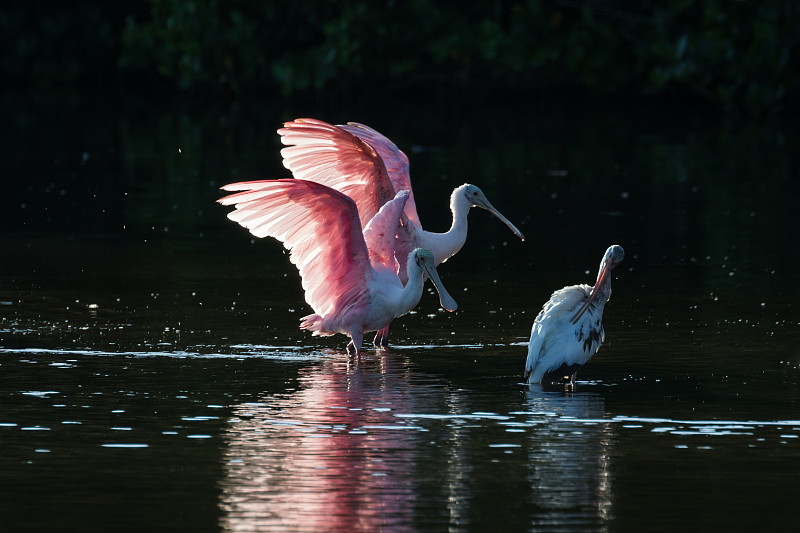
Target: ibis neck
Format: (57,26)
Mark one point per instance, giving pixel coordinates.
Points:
(602,287)
(602,292)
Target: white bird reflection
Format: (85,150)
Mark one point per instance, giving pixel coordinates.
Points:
(569,459)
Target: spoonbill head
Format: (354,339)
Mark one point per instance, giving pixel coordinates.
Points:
(349,275)
(475,198)
(446,245)
(568,330)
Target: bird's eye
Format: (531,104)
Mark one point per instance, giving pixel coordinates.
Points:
(474,193)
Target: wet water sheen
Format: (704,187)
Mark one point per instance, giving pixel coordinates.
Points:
(153,377)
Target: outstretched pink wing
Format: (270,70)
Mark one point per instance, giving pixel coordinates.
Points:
(321,229)
(323,153)
(394,159)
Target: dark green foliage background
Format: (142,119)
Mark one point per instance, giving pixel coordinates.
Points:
(738,55)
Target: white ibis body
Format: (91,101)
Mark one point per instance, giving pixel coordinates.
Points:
(569,329)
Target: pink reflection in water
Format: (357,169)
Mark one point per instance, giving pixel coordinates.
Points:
(330,457)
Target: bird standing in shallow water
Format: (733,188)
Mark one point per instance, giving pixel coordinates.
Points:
(368,167)
(349,275)
(569,330)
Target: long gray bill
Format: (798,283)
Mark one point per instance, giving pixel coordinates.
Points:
(489,207)
(446,301)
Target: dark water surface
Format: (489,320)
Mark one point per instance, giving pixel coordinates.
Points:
(153,378)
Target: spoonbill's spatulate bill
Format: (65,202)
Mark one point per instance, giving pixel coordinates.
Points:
(365,165)
(349,275)
(569,329)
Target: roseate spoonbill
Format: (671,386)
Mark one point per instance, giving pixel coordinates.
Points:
(349,275)
(568,330)
(365,165)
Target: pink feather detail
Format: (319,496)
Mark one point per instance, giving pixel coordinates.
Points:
(343,158)
(379,238)
(321,229)
(314,323)
(379,234)
(395,161)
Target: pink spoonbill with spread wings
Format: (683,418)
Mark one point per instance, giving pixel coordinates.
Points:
(349,275)
(568,330)
(368,167)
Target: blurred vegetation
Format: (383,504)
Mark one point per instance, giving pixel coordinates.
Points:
(738,55)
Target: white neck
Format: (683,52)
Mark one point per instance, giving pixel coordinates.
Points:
(446,245)
(412,292)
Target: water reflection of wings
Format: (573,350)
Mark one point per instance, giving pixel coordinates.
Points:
(569,459)
(327,457)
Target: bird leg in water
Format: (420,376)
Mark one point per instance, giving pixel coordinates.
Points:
(570,385)
(567,384)
(354,346)
(382,338)
(563,375)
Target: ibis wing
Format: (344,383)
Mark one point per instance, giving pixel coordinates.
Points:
(321,229)
(535,345)
(320,152)
(552,335)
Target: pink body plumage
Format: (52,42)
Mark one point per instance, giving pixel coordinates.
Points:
(349,275)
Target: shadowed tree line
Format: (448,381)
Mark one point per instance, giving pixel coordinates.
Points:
(736,55)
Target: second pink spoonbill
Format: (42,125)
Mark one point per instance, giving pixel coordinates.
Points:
(349,275)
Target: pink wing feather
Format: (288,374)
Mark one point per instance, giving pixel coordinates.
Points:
(321,229)
(317,151)
(381,230)
(345,158)
(394,159)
